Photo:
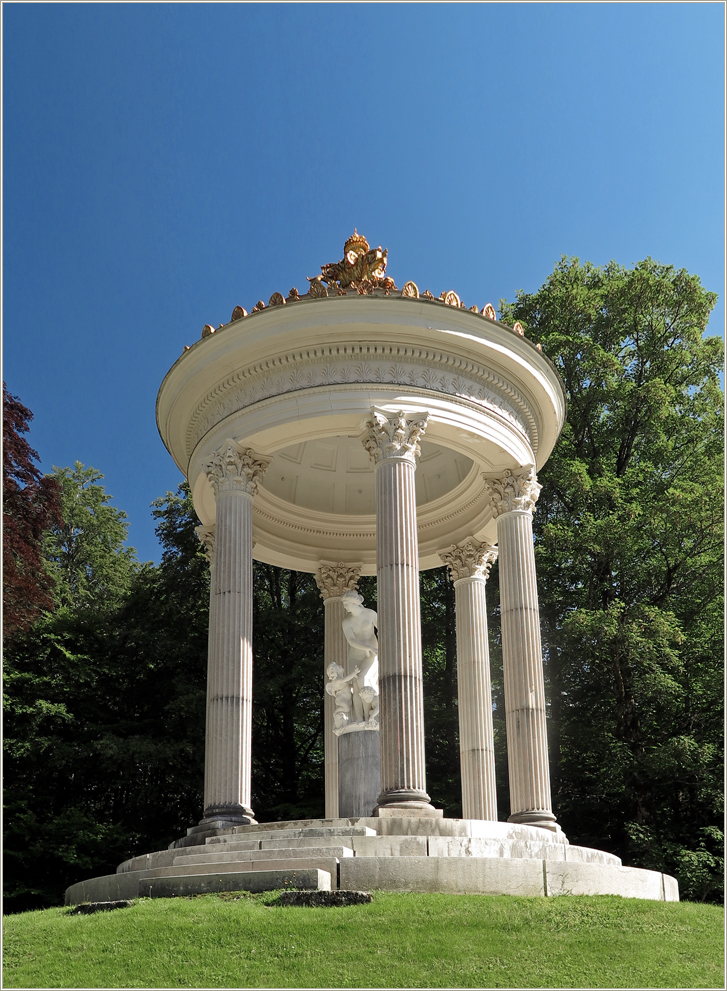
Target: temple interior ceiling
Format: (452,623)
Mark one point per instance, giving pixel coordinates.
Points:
(336,475)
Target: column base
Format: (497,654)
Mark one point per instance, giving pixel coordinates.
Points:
(236,815)
(544,820)
(403,802)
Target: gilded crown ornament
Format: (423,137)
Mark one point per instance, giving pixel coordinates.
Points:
(356,243)
(360,268)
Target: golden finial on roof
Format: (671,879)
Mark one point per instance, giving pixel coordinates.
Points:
(356,243)
(362,268)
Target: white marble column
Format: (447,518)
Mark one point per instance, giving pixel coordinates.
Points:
(512,499)
(234,473)
(469,565)
(333,581)
(392,440)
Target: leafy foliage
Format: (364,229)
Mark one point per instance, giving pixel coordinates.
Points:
(30,506)
(628,534)
(441,713)
(288,631)
(85,547)
(104,701)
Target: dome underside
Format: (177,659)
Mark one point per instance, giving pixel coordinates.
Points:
(296,385)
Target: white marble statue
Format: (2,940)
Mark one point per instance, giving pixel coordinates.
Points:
(339,686)
(363,656)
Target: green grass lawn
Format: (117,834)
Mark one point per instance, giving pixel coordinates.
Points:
(400,940)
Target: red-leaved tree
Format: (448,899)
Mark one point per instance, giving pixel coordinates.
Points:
(31,503)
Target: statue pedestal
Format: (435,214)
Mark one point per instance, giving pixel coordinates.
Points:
(359,773)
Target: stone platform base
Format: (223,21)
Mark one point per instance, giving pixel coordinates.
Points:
(460,856)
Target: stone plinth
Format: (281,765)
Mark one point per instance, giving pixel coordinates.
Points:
(359,773)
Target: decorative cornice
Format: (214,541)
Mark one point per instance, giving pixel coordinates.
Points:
(394,436)
(421,369)
(206,536)
(235,468)
(333,580)
(514,492)
(472,559)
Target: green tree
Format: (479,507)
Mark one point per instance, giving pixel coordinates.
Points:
(439,678)
(30,505)
(628,533)
(287,734)
(85,549)
(104,701)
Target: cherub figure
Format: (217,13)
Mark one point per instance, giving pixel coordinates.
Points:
(339,686)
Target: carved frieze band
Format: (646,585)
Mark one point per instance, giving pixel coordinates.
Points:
(471,559)
(206,536)
(515,491)
(394,435)
(335,579)
(416,368)
(235,468)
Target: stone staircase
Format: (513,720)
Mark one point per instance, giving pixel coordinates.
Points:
(390,853)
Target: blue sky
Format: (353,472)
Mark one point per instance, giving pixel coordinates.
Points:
(166,162)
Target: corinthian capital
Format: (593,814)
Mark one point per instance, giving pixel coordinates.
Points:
(471,559)
(514,492)
(235,468)
(206,536)
(335,579)
(394,435)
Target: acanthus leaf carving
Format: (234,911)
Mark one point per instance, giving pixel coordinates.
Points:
(472,559)
(335,579)
(514,491)
(235,468)
(394,435)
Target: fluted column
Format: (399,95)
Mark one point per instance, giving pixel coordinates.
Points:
(333,581)
(392,440)
(512,499)
(234,473)
(469,565)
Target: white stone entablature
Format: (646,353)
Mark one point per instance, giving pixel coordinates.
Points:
(296,383)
